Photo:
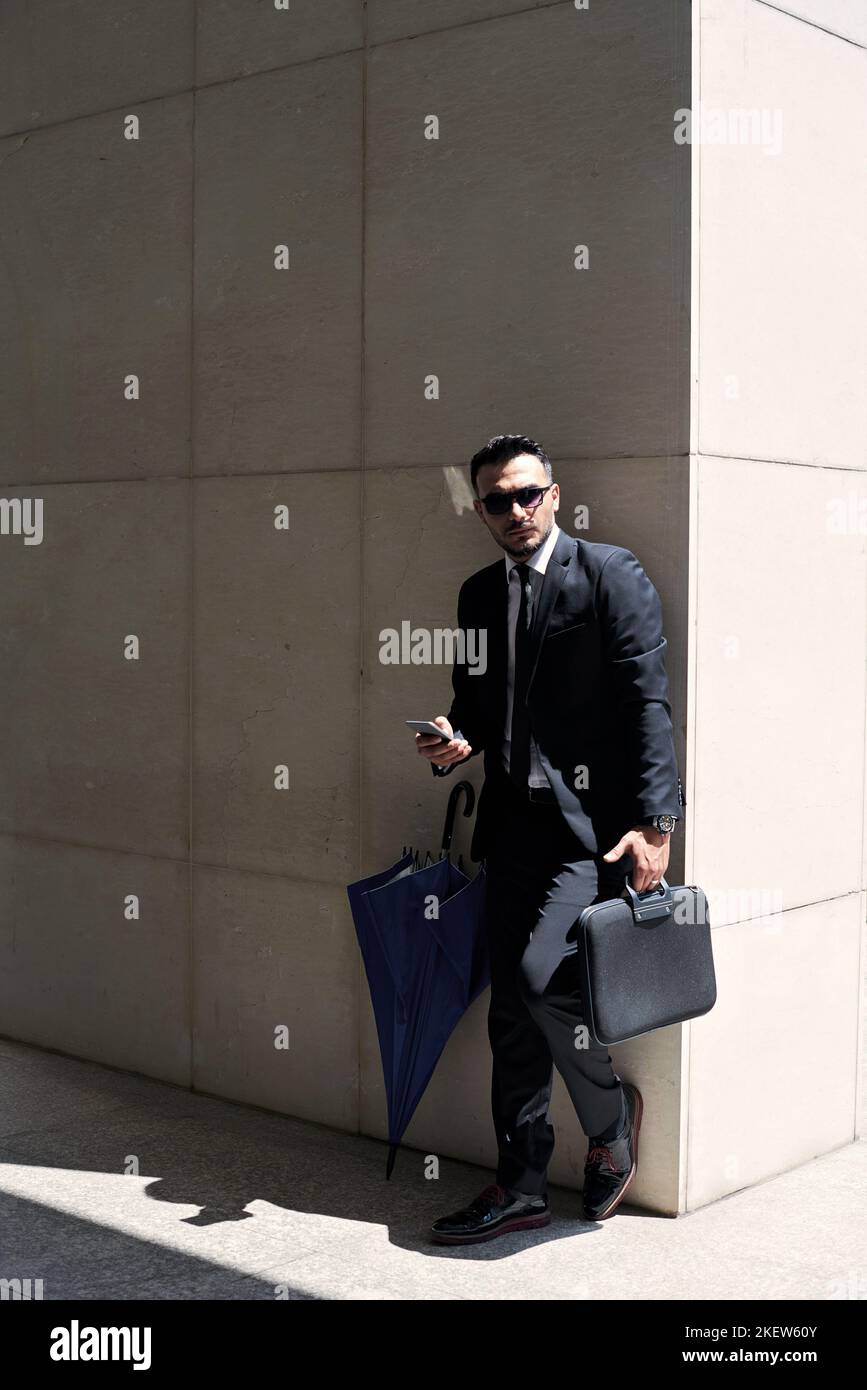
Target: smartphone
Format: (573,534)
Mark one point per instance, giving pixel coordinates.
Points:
(425,726)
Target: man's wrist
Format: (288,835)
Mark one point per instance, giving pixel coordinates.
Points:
(664,824)
(652,835)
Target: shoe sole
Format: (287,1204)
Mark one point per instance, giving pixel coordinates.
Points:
(525,1223)
(615,1203)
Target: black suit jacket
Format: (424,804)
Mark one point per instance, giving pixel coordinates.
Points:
(597,697)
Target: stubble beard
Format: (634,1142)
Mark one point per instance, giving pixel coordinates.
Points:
(521,549)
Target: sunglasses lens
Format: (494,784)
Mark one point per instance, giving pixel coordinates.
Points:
(498,503)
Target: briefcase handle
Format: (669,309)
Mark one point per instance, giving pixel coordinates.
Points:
(651,905)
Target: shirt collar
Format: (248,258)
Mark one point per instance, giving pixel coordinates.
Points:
(539,559)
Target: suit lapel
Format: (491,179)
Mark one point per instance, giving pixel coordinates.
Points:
(552,583)
(498,642)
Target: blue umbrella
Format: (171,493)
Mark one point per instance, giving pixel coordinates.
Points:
(420,927)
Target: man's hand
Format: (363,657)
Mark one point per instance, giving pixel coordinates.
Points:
(649,851)
(443,754)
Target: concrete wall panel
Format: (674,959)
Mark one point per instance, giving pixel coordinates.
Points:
(78,973)
(277,376)
(235,38)
(276,674)
(94,740)
(773,1065)
(83,56)
(783,265)
(470,237)
(275,986)
(95,289)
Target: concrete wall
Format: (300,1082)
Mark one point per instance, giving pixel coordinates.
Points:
(410,259)
(778,601)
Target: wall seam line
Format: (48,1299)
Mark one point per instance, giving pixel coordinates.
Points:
(362,504)
(191,584)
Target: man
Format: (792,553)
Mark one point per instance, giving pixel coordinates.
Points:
(581,787)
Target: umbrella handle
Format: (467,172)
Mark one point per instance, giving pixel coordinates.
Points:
(451,810)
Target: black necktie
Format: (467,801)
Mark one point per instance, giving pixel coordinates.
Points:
(519,752)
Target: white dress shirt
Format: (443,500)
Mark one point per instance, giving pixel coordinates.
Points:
(537,561)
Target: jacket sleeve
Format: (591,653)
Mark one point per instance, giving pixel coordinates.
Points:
(634,648)
(463,714)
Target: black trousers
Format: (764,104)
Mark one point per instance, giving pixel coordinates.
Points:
(539,878)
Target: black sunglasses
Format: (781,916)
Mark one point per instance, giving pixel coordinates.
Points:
(498,503)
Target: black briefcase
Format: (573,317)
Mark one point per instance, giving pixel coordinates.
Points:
(646,961)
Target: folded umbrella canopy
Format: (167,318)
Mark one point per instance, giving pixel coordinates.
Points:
(421,930)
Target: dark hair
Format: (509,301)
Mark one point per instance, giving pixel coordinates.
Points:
(502,449)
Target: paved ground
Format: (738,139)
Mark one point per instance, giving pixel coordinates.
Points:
(230,1203)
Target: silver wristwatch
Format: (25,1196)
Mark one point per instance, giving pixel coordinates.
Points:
(664,824)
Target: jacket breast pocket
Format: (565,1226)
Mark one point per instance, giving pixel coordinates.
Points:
(568,631)
(569,665)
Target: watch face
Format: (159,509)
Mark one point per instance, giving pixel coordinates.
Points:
(665,824)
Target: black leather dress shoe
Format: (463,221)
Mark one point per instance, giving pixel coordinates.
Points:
(492,1213)
(612,1164)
